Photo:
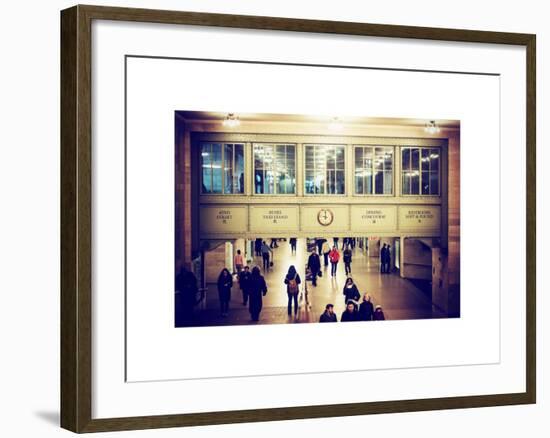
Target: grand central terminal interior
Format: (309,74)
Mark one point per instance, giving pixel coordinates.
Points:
(385,189)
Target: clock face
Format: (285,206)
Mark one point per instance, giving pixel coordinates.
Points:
(325,216)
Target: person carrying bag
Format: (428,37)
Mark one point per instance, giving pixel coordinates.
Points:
(292,281)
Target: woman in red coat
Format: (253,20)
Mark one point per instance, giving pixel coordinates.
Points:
(334,257)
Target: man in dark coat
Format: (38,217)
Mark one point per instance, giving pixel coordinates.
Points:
(328,315)
(350,314)
(366,309)
(225,283)
(186,296)
(387,268)
(244,283)
(292,242)
(314,265)
(347,259)
(383,252)
(258,289)
(258,246)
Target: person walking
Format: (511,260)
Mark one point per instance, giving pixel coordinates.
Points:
(335,242)
(325,250)
(186,297)
(292,281)
(383,259)
(258,289)
(350,292)
(319,243)
(387,268)
(378,314)
(314,265)
(334,257)
(244,283)
(238,260)
(366,309)
(350,314)
(293,242)
(225,283)
(258,247)
(328,315)
(347,259)
(266,251)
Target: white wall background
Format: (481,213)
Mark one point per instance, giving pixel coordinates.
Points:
(29,215)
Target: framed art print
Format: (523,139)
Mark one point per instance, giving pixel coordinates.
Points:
(230,184)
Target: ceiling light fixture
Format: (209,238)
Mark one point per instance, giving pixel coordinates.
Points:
(335,124)
(432,128)
(231,120)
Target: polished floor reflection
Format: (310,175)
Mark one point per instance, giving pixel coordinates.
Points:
(399,298)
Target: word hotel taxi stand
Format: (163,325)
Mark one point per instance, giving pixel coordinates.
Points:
(240,177)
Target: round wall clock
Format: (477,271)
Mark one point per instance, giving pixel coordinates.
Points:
(325,216)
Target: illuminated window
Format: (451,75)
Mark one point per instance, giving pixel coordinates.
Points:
(222,168)
(325,170)
(420,170)
(274,169)
(373,170)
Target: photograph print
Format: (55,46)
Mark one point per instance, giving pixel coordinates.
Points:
(303,218)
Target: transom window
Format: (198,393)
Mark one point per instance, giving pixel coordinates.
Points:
(420,170)
(274,169)
(222,168)
(325,169)
(373,170)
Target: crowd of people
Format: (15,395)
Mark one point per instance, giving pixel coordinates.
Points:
(253,286)
(366,312)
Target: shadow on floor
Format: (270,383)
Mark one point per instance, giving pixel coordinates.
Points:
(51,417)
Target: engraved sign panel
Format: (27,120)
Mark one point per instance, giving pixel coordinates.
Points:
(223,219)
(274,218)
(419,217)
(374,218)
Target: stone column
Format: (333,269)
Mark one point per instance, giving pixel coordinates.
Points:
(401,256)
(229,256)
(300,177)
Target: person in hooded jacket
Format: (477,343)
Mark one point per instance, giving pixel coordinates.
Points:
(257,290)
(378,314)
(292,281)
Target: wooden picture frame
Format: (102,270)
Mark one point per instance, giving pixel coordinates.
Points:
(76,217)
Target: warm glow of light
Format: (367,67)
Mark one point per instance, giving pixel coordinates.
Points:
(432,128)
(231,121)
(336,124)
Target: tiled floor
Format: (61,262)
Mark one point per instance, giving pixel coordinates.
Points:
(399,298)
